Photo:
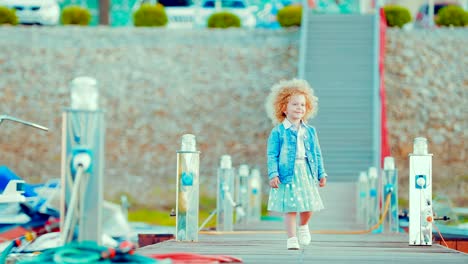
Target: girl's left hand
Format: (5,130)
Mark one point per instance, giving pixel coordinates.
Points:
(323,182)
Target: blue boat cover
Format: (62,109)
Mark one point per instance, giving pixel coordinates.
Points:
(7,175)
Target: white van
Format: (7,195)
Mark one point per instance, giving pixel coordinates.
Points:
(187,14)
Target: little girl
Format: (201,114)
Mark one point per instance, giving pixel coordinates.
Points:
(294,158)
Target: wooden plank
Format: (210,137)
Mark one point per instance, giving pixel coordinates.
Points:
(265,241)
(271,248)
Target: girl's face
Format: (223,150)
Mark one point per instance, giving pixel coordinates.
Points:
(296,107)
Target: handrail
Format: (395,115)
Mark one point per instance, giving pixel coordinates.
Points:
(10,118)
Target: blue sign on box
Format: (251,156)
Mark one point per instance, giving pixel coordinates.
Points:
(187,178)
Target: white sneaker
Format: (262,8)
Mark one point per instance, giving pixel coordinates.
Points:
(304,235)
(292,243)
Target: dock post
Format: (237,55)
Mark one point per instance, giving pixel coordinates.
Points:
(362,198)
(420,194)
(187,199)
(224,201)
(83,133)
(255,196)
(242,193)
(390,191)
(373,198)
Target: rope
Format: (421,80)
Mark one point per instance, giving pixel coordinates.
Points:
(88,252)
(337,232)
(207,219)
(185,258)
(382,217)
(7,250)
(438,231)
(72,255)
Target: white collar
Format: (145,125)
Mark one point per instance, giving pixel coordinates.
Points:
(287,124)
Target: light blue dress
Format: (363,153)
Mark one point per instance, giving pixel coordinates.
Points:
(301,195)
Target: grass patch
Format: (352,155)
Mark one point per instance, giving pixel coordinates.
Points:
(138,213)
(403,203)
(207,203)
(151,216)
(162,218)
(264,209)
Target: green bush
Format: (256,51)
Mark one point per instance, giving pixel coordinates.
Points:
(150,16)
(8,16)
(223,20)
(452,16)
(397,16)
(290,16)
(75,15)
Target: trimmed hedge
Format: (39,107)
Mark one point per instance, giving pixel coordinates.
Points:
(290,16)
(452,15)
(149,15)
(397,16)
(223,20)
(75,15)
(8,16)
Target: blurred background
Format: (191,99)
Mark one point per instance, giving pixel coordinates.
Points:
(159,79)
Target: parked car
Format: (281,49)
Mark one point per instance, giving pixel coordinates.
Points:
(180,13)
(422,17)
(41,12)
(186,14)
(240,8)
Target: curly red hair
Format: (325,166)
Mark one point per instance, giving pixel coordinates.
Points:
(279,96)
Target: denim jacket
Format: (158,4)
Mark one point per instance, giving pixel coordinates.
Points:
(281,152)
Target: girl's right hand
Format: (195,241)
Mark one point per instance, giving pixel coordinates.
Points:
(274,183)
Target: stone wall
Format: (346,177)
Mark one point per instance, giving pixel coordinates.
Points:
(157,85)
(427,83)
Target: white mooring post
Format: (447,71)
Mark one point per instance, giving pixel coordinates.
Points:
(373,197)
(187,200)
(255,196)
(225,202)
(420,194)
(242,186)
(83,135)
(390,192)
(362,198)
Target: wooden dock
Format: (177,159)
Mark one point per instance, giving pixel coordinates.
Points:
(265,241)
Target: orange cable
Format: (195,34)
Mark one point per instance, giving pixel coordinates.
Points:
(438,231)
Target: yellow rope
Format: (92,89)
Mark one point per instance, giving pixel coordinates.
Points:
(337,232)
(382,217)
